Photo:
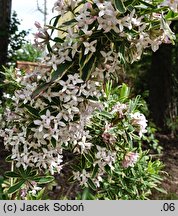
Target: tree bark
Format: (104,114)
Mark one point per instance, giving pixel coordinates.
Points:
(5,14)
(160,84)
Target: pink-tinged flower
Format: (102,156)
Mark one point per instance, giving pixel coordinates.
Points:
(23,193)
(120,109)
(130,159)
(172,4)
(38,25)
(107,136)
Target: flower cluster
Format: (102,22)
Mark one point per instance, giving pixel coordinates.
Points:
(96,21)
(65,108)
(130,159)
(173,4)
(41,127)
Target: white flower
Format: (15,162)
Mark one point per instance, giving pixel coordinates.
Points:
(54,62)
(45,122)
(66,85)
(140,121)
(75,79)
(35,189)
(104,157)
(70,95)
(81,177)
(84,177)
(84,145)
(76,175)
(89,47)
(61,7)
(108,56)
(173,4)
(85,18)
(64,56)
(105,8)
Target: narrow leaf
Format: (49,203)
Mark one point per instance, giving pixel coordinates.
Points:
(11,174)
(85,194)
(89,158)
(124,92)
(53,142)
(32,110)
(87,69)
(43,179)
(68,23)
(56,21)
(61,70)
(58,40)
(120,6)
(91,184)
(40,194)
(40,89)
(8,158)
(16,187)
(105,114)
(95,170)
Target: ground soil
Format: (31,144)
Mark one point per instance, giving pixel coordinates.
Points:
(169,157)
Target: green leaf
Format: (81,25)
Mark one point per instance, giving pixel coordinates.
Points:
(120,6)
(105,114)
(87,69)
(68,23)
(168,31)
(49,47)
(130,3)
(16,187)
(83,162)
(124,92)
(122,53)
(32,110)
(8,158)
(86,195)
(59,40)
(40,89)
(171,16)
(61,70)
(108,169)
(95,170)
(91,184)
(147,4)
(53,142)
(83,59)
(161,190)
(43,179)
(89,158)
(56,21)
(28,170)
(33,173)
(40,194)
(12,174)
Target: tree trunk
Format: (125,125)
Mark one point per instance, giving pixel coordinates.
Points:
(160,85)
(5,13)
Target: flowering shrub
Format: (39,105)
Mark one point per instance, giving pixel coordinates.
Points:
(75,107)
